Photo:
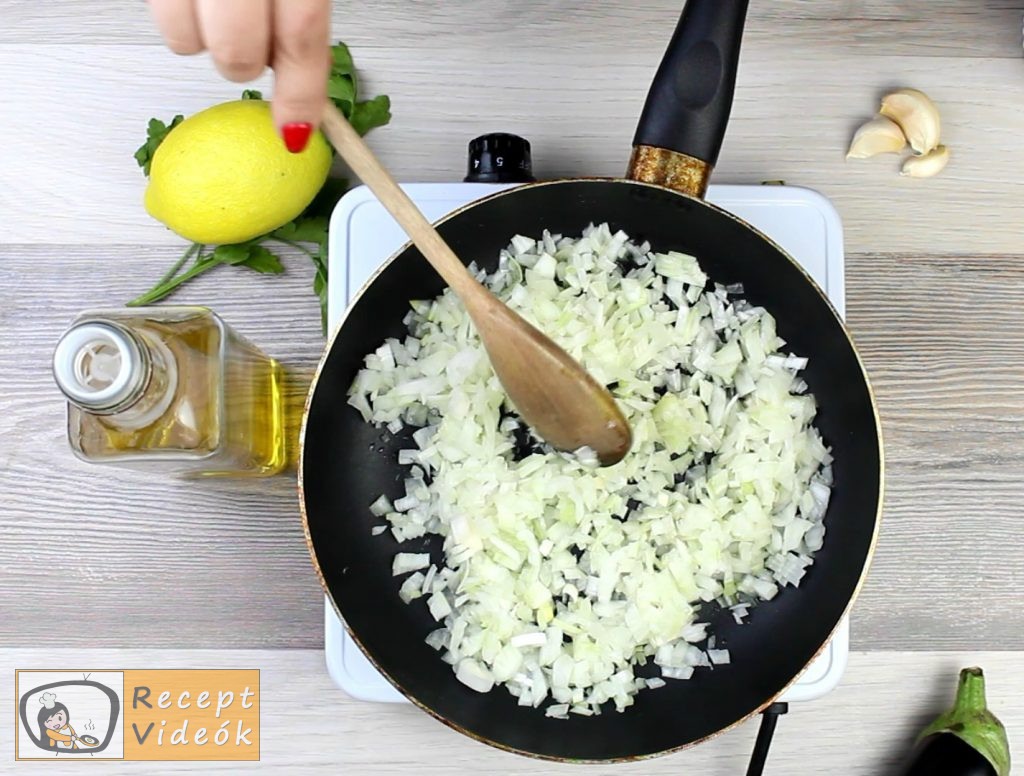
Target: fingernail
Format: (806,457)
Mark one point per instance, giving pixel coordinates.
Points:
(296,135)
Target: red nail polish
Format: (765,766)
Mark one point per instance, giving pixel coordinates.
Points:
(296,135)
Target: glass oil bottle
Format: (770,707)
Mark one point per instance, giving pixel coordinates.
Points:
(175,387)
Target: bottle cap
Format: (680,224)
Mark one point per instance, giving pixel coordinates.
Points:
(98,366)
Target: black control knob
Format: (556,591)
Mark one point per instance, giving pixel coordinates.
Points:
(499,158)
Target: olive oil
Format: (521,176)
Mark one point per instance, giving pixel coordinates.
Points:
(174,386)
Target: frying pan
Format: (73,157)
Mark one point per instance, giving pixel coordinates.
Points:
(346,464)
(88,740)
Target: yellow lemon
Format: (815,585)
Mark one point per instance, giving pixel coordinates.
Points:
(224,175)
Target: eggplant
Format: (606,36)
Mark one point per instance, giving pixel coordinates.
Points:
(968,740)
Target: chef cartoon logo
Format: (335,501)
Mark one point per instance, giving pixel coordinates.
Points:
(71,715)
(158,714)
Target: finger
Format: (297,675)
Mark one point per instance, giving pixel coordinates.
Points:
(237,33)
(176,20)
(301,63)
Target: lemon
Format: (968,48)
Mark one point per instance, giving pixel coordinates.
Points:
(224,175)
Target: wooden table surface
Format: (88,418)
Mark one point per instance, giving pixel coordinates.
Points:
(99,558)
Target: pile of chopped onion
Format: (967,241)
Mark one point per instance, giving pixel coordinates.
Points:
(561,578)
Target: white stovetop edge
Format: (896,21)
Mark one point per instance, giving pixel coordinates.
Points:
(800,220)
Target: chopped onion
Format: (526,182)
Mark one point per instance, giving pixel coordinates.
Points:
(474,675)
(428,580)
(560,578)
(380,507)
(677,673)
(439,606)
(559,710)
(719,657)
(409,561)
(412,588)
(534,639)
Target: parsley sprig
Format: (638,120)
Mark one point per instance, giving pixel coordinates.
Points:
(308,232)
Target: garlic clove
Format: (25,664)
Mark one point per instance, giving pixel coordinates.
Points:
(878,136)
(917,116)
(927,165)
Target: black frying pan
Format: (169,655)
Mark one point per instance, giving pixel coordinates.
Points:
(346,464)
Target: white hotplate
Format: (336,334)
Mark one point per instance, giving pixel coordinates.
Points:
(363,236)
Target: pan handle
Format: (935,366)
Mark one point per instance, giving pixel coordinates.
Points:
(683,122)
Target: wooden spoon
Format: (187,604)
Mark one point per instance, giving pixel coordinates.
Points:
(552,392)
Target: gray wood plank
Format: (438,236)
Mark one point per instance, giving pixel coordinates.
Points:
(863,728)
(920,27)
(225,563)
(73,179)
(943,339)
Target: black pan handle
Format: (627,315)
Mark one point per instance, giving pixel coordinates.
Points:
(759,756)
(688,105)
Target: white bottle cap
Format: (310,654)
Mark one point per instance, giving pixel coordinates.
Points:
(98,365)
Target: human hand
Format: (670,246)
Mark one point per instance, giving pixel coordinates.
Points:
(245,36)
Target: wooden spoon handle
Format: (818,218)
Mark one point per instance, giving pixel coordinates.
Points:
(360,158)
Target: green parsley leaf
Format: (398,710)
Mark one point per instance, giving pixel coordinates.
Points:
(252,94)
(156,131)
(341,60)
(251,255)
(231,254)
(342,92)
(342,86)
(320,282)
(370,113)
(303,229)
(343,89)
(262,260)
